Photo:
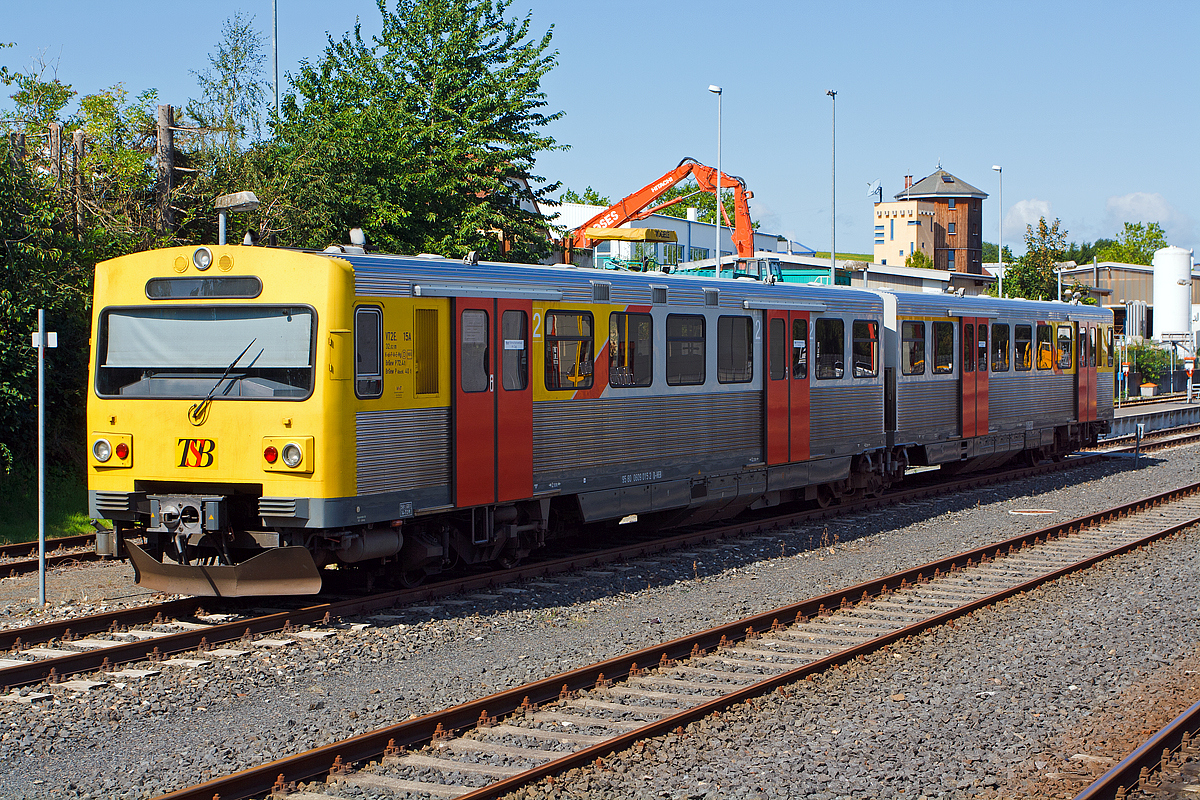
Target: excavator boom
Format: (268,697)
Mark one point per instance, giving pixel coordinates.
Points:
(634,206)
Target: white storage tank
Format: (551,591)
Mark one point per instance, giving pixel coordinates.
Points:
(1172,291)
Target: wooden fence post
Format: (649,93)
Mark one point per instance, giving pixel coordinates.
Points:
(166,167)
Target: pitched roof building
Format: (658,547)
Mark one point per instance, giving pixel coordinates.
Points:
(956,237)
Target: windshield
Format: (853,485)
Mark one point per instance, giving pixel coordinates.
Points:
(182,351)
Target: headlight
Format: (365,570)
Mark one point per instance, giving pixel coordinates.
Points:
(102,450)
(292,454)
(202,258)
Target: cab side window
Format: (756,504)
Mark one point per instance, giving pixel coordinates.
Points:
(865,348)
(631,349)
(368,352)
(1045,348)
(1066,338)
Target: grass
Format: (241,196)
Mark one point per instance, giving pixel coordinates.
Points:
(66,505)
(847,256)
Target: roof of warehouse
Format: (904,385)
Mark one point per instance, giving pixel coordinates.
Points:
(941,184)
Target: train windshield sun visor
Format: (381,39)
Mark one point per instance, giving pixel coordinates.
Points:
(179,351)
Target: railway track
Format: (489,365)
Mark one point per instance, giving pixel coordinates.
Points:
(54,651)
(495,745)
(1164,766)
(21,558)
(181,629)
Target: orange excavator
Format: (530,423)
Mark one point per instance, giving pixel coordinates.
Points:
(631,207)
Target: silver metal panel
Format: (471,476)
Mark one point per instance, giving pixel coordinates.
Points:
(1036,395)
(402,450)
(1104,396)
(928,407)
(844,415)
(572,435)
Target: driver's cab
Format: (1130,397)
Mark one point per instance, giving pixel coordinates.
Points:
(758,269)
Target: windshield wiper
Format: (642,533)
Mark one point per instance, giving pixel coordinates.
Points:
(198,411)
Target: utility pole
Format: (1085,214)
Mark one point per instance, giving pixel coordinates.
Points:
(275,49)
(166,167)
(833,192)
(56,154)
(76,167)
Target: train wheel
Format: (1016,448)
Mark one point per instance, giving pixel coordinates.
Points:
(411,578)
(825,496)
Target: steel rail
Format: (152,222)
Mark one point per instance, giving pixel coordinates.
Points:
(185,641)
(22,549)
(1136,767)
(319,761)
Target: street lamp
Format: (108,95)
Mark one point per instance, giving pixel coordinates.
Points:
(238,201)
(1000,231)
(717,91)
(833,191)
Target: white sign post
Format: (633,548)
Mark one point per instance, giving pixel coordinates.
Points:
(41,342)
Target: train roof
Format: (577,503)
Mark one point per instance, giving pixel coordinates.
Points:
(406,276)
(928,304)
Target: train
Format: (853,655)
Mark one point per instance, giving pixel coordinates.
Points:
(259,417)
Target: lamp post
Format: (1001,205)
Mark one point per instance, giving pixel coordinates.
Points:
(717,91)
(833,191)
(1000,232)
(238,201)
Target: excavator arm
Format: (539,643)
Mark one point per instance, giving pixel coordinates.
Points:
(633,207)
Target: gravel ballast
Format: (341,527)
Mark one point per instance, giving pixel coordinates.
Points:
(979,700)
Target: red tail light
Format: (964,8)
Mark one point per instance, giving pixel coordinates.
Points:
(122,451)
(271,455)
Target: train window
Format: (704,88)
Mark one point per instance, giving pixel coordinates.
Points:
(514,358)
(473,350)
(1066,339)
(983,348)
(799,348)
(165,288)
(968,348)
(1023,347)
(943,348)
(912,348)
(999,347)
(1108,345)
(368,352)
(829,336)
(425,351)
(1092,347)
(231,351)
(569,353)
(865,348)
(1045,347)
(685,350)
(777,342)
(735,349)
(630,348)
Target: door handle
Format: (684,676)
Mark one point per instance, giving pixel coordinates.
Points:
(491,383)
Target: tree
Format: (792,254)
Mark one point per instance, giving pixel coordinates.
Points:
(233,89)
(1084,253)
(1135,245)
(918,260)
(425,136)
(1032,276)
(590,197)
(989,254)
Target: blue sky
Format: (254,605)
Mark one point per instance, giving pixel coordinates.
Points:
(1089,107)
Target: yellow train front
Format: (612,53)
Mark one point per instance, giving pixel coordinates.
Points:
(211,441)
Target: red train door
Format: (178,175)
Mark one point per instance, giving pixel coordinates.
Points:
(474,377)
(967,376)
(778,389)
(974,379)
(798,381)
(982,376)
(1085,372)
(514,401)
(787,387)
(493,401)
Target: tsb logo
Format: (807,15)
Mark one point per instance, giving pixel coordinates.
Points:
(196,452)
